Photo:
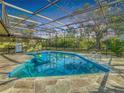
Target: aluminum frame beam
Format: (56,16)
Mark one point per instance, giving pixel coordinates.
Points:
(21,18)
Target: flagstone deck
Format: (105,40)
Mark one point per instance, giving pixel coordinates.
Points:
(93,83)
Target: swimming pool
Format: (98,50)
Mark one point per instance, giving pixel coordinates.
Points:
(56,63)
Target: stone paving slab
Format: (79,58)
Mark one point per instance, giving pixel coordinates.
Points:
(24,84)
(14,90)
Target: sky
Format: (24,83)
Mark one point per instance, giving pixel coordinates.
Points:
(52,12)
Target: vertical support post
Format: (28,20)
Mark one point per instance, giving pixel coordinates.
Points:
(3,10)
(4,14)
(56,40)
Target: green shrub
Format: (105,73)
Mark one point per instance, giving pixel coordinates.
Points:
(115,45)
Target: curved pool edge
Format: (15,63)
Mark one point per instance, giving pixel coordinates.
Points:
(81,56)
(64,76)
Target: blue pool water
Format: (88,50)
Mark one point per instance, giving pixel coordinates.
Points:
(53,63)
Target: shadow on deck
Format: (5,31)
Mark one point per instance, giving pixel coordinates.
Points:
(12,60)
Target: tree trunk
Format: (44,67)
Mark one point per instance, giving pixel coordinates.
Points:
(98,39)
